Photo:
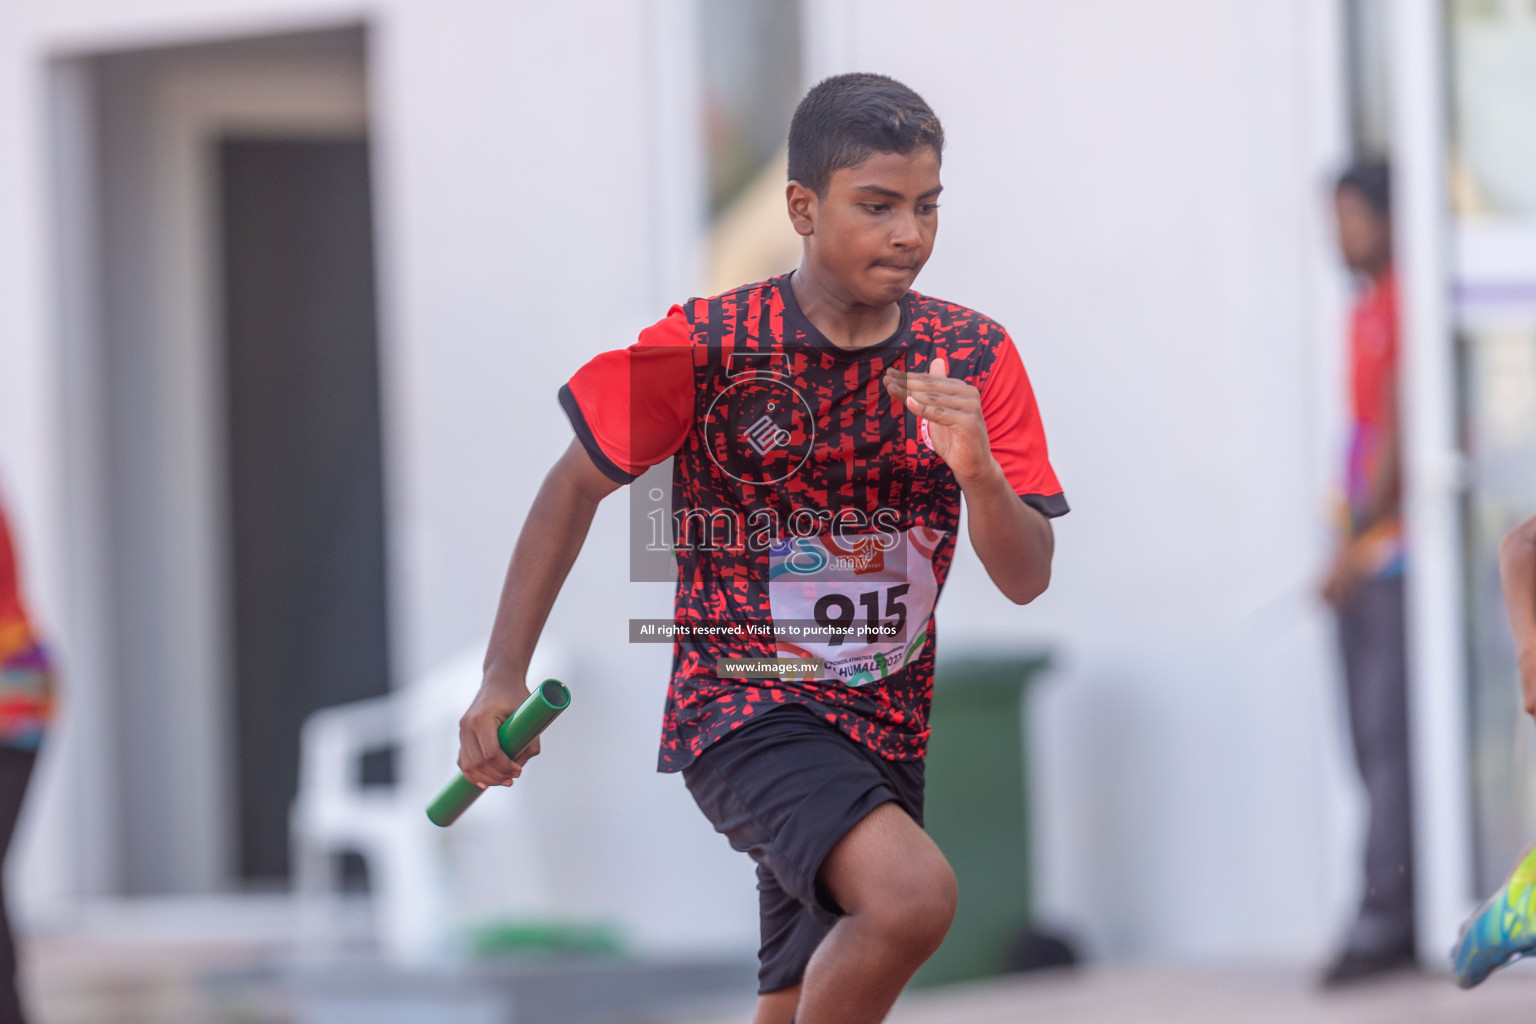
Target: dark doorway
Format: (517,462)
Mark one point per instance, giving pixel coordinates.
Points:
(305,460)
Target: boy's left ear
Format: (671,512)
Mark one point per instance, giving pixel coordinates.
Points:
(802,208)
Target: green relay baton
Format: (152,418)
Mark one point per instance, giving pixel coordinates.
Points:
(543,706)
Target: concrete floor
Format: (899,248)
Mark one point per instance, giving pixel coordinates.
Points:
(108,975)
(1141,995)
(72,981)
(1147,995)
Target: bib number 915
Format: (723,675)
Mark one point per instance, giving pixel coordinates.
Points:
(835,613)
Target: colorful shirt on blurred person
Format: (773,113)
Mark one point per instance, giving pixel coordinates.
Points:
(1373,357)
(26,673)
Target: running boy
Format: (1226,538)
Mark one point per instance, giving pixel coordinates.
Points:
(825,425)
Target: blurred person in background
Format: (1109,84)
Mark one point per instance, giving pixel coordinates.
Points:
(1365,583)
(26,700)
(1504,928)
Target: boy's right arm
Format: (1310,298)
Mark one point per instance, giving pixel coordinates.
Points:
(551,539)
(1517,573)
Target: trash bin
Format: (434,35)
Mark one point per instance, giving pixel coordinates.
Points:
(976,809)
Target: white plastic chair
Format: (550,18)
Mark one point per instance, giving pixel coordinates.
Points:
(411,862)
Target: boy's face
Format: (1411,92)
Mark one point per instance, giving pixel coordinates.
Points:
(1365,235)
(874,229)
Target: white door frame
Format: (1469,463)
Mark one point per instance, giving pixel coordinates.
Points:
(193,99)
(1434,477)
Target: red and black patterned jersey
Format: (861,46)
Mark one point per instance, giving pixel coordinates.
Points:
(810,518)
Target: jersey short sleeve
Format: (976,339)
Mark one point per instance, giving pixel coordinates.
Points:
(1016,433)
(632,408)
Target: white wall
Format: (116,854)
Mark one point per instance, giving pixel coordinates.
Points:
(532,214)
(1134,189)
(516,240)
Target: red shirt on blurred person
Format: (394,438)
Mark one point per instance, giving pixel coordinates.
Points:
(1373,361)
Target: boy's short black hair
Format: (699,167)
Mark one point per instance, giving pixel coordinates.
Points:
(1371,180)
(846,118)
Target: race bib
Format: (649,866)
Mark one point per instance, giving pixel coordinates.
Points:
(859,602)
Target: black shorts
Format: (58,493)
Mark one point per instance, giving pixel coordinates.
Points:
(784,789)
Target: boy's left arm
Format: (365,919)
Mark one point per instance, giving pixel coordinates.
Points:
(1013,540)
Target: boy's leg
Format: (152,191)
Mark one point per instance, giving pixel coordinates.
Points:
(816,811)
(777,1007)
(898,893)
(790,934)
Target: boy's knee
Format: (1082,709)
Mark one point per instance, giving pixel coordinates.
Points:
(889,874)
(916,911)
